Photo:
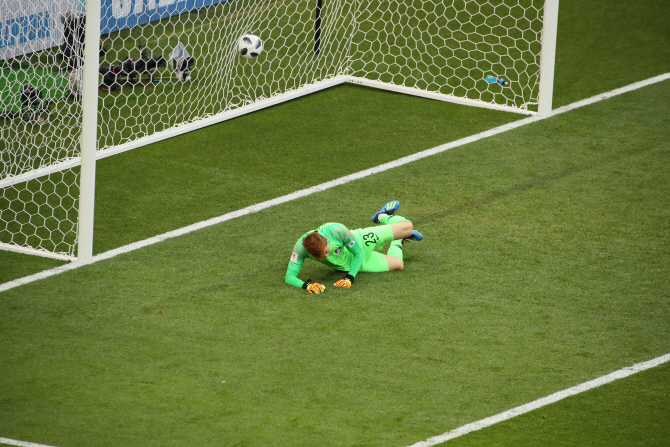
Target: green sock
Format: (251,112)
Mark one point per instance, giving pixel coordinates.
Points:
(387,220)
(395,249)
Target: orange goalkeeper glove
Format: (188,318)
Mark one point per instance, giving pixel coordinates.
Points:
(345,283)
(313,287)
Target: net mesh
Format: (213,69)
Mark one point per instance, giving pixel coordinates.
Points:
(167,63)
(451,47)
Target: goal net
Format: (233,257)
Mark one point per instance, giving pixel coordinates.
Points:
(171,66)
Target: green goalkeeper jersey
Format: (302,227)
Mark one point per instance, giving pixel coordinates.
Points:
(346,253)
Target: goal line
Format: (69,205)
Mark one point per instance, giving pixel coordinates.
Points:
(324,186)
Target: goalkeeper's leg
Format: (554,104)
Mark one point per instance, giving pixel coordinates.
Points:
(376,262)
(394,255)
(401,227)
(394,229)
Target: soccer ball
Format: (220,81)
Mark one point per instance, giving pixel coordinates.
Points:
(249,46)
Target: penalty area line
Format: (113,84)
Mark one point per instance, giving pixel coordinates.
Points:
(327,185)
(552,398)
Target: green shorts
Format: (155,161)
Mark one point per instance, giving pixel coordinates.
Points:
(371,239)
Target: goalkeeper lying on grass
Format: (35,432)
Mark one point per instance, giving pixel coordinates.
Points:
(351,252)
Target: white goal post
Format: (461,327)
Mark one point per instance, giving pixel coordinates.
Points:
(127,73)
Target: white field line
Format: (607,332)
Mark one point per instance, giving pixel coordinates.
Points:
(487,422)
(327,185)
(21,443)
(474,426)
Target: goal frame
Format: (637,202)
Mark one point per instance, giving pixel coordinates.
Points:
(89,144)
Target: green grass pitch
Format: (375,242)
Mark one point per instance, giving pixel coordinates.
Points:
(544,265)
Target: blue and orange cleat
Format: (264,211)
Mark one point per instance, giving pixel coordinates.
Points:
(390,208)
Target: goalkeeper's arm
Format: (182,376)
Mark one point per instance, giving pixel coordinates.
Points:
(294,266)
(356,262)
